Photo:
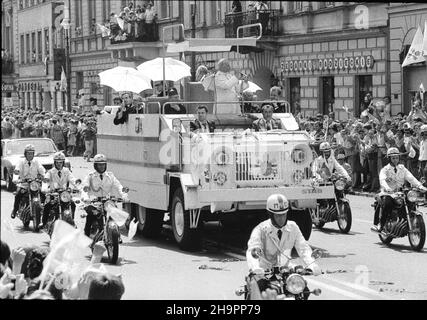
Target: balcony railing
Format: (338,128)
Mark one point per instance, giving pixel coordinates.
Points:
(6,66)
(269,20)
(137,32)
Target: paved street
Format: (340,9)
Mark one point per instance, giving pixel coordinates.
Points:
(356,266)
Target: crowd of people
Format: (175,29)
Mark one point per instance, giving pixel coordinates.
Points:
(133,23)
(73,132)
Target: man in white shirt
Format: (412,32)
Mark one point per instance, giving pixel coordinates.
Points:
(28,168)
(325,165)
(423,152)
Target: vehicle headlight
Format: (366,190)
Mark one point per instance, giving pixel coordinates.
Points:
(220,177)
(65,196)
(298,155)
(297,176)
(414,196)
(34,186)
(295,284)
(398,201)
(340,184)
(221,158)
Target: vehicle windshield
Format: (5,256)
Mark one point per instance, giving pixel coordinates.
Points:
(42,147)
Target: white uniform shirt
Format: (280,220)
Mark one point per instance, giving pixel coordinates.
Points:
(56,182)
(389,179)
(423,151)
(320,164)
(109,185)
(26,171)
(275,252)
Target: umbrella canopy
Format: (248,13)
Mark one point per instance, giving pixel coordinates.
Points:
(252,87)
(125,79)
(174,69)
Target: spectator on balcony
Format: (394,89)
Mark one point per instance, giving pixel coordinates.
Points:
(140,23)
(236,10)
(151,22)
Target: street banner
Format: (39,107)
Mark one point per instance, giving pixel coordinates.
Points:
(63,86)
(415,53)
(425,39)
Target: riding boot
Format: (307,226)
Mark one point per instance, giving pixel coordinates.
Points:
(18,198)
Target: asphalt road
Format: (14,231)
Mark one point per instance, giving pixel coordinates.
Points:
(356,266)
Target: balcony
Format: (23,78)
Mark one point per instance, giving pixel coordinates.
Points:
(136,33)
(269,20)
(7,66)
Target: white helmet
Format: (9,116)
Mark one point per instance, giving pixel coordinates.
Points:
(324,146)
(277,204)
(393,152)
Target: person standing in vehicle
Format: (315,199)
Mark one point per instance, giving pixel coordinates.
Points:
(99,183)
(272,241)
(59,177)
(27,168)
(126,108)
(325,165)
(392,178)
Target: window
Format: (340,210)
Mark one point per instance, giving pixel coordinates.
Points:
(79,80)
(165,9)
(22,44)
(33,47)
(93,88)
(92,16)
(216,12)
(79,13)
(327,95)
(107,96)
(363,86)
(330,4)
(295,92)
(106,10)
(21,4)
(39,45)
(297,6)
(46,42)
(27,42)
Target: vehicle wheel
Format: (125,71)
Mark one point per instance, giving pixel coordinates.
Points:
(187,239)
(303,219)
(417,239)
(10,186)
(24,214)
(37,215)
(150,221)
(113,246)
(345,223)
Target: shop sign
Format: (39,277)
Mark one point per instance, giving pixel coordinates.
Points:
(309,65)
(29,86)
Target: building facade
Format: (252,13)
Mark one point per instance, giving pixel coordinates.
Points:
(405,82)
(8,55)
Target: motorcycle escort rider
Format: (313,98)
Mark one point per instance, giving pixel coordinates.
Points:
(99,183)
(27,168)
(271,241)
(326,164)
(392,178)
(59,177)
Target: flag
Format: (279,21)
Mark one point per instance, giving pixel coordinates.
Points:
(121,23)
(415,53)
(425,39)
(104,30)
(422,90)
(63,86)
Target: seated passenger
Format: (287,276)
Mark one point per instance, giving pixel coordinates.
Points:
(127,107)
(267,122)
(201,124)
(174,108)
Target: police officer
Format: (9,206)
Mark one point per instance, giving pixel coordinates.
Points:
(392,179)
(59,177)
(272,240)
(100,183)
(27,168)
(326,164)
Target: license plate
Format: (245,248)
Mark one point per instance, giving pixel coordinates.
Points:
(312,191)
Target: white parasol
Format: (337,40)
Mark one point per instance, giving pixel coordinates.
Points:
(125,79)
(174,69)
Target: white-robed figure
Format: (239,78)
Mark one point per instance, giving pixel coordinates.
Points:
(271,241)
(227,89)
(326,164)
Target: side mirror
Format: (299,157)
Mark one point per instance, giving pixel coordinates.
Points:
(78,181)
(316,254)
(125,189)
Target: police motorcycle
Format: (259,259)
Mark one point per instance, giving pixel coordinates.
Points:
(287,281)
(60,201)
(404,219)
(30,207)
(104,228)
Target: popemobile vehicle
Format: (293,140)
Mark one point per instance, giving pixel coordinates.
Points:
(207,176)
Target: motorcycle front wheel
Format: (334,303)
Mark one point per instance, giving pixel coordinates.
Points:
(112,245)
(36,215)
(344,223)
(417,239)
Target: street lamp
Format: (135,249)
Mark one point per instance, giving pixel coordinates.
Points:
(66,25)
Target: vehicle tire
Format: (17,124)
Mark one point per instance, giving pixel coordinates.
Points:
(303,219)
(150,221)
(24,214)
(187,239)
(417,241)
(10,186)
(345,226)
(113,246)
(37,215)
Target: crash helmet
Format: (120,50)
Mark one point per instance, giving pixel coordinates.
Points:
(100,163)
(341,156)
(277,204)
(58,158)
(393,152)
(29,149)
(325,146)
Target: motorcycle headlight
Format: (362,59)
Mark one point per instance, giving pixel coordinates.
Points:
(34,186)
(414,196)
(340,184)
(65,196)
(220,178)
(295,284)
(398,201)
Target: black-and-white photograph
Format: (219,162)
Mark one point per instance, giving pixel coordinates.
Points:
(213,151)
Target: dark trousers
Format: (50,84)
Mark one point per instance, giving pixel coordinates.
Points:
(18,197)
(48,207)
(373,174)
(90,218)
(387,204)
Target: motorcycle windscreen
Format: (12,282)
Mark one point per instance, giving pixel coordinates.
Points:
(118,215)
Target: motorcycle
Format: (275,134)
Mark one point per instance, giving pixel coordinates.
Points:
(30,207)
(404,219)
(104,228)
(60,201)
(338,209)
(288,282)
